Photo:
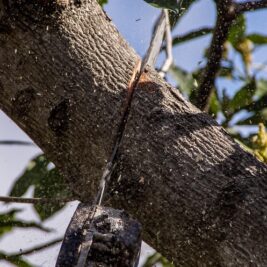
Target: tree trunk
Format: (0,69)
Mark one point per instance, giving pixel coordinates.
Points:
(66,79)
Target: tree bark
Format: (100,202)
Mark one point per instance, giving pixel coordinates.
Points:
(66,79)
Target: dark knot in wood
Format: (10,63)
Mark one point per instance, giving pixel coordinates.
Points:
(58,120)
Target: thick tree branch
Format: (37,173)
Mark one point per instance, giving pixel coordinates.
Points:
(65,79)
(71,106)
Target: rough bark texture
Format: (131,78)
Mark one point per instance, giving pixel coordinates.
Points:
(65,78)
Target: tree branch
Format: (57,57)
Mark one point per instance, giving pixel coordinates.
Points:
(24,224)
(14,256)
(16,142)
(250,6)
(227,12)
(35,200)
(225,17)
(191,35)
(38,248)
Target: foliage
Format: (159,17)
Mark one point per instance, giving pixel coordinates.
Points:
(245,107)
(8,222)
(157,258)
(15,260)
(47,183)
(169,4)
(177,8)
(259,143)
(173,5)
(102,2)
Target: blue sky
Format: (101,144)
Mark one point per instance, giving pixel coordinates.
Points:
(138,33)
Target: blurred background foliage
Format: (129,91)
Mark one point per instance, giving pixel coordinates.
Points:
(236,112)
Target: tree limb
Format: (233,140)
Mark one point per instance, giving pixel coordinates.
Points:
(23,200)
(24,224)
(198,195)
(250,6)
(25,252)
(225,16)
(227,12)
(37,248)
(191,35)
(16,142)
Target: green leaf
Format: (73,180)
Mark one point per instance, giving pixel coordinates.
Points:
(261,88)
(102,2)
(257,39)
(244,146)
(47,184)
(226,72)
(246,141)
(237,31)
(186,82)
(50,186)
(259,98)
(7,217)
(177,14)
(35,169)
(16,260)
(169,4)
(257,105)
(8,222)
(157,258)
(178,8)
(243,97)
(255,119)
(153,259)
(215,105)
(240,42)
(225,106)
